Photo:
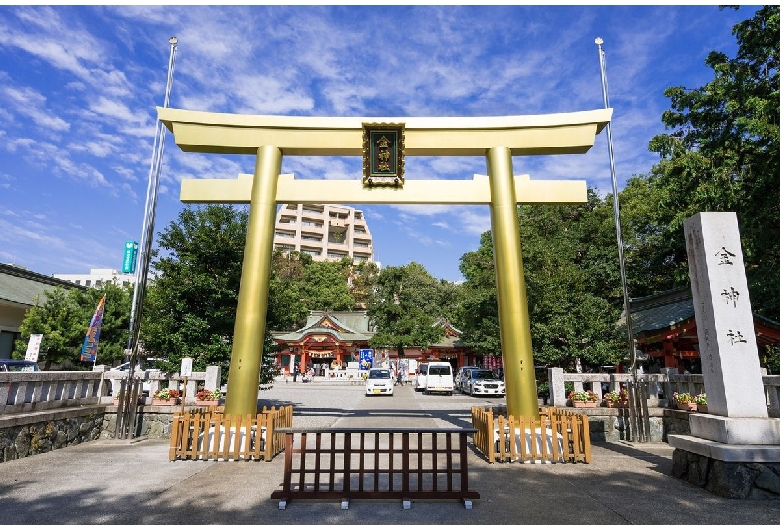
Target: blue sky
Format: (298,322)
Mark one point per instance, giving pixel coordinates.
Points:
(79,87)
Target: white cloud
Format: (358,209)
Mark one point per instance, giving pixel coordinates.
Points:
(31,103)
(116,110)
(475,220)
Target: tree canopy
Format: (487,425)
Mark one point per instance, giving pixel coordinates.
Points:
(189,310)
(405,305)
(572,285)
(63,319)
(721,153)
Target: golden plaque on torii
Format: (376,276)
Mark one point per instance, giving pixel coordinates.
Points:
(383,154)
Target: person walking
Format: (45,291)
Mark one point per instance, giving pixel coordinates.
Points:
(403,372)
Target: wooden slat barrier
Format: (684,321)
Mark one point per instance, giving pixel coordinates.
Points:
(375,463)
(557,436)
(210,434)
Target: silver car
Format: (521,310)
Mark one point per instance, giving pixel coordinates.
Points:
(461,378)
(484,383)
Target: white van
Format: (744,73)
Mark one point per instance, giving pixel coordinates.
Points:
(420,377)
(440,378)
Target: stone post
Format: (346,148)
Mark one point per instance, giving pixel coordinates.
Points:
(213,378)
(737,437)
(557,390)
(727,338)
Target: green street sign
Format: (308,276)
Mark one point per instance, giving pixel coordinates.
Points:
(131,253)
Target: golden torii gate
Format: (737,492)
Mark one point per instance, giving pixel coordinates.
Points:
(496,138)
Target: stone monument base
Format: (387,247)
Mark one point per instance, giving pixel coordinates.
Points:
(727,470)
(736,431)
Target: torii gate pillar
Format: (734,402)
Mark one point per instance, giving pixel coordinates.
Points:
(497,138)
(249,330)
(513,320)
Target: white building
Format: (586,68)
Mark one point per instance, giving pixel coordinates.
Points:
(327,232)
(98,277)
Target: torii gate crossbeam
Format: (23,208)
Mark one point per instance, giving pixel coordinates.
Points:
(496,138)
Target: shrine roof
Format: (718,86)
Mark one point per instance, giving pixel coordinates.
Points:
(669,309)
(345,326)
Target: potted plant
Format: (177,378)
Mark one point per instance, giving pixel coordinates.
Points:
(701,402)
(166,396)
(584,399)
(208,397)
(616,398)
(684,401)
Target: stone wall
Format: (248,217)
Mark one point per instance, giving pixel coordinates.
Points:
(155,424)
(23,435)
(733,480)
(29,434)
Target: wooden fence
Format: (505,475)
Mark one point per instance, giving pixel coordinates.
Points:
(557,436)
(210,434)
(371,463)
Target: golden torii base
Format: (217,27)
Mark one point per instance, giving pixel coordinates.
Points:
(497,138)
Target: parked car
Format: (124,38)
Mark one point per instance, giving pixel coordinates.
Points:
(462,375)
(18,365)
(484,383)
(147,365)
(440,378)
(421,377)
(379,381)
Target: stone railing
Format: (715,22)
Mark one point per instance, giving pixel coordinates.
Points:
(22,392)
(211,380)
(25,392)
(660,386)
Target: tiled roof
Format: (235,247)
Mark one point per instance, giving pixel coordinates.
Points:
(22,287)
(352,326)
(661,311)
(667,309)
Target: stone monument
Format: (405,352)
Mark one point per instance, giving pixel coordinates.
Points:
(734,451)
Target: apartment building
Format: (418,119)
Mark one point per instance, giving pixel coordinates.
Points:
(327,232)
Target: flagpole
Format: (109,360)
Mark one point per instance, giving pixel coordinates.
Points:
(147,230)
(616,208)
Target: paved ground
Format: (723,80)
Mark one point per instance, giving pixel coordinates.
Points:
(115,482)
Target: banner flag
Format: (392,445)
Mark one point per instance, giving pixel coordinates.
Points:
(89,349)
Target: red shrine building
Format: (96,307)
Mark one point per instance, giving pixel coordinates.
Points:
(335,338)
(664,327)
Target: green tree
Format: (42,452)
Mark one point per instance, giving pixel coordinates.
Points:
(722,152)
(656,260)
(477,316)
(404,307)
(114,330)
(189,310)
(64,317)
(60,320)
(572,285)
(362,279)
(286,304)
(326,286)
